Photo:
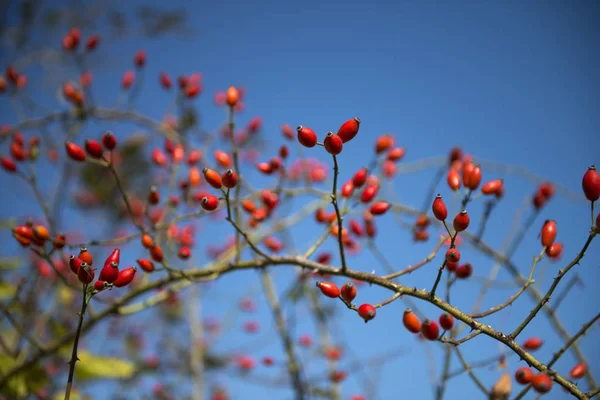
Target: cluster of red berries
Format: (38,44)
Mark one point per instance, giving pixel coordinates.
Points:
(347,293)
(13,79)
(541,382)
(333,143)
(31,234)
(428,328)
(20,151)
(93,148)
(82,266)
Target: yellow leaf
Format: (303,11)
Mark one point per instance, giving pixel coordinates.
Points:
(19,386)
(93,366)
(65,294)
(7,290)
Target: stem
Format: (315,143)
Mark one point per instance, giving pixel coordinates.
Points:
(337,211)
(238,187)
(74,357)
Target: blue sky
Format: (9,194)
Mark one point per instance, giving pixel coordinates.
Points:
(511,82)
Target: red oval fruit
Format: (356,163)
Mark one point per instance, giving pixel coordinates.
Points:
(547,190)
(115,256)
(451,266)
(306,136)
(184,253)
(523,375)
(554,250)
(360,177)
(125,277)
(347,189)
(453,255)
(213,178)
(153,196)
(109,141)
(453,179)
(232,96)
(396,154)
(8,164)
(146,265)
(222,158)
(349,129)
(329,289)
(75,152)
(229,179)
(74,263)
(384,142)
(492,187)
(533,343)
(348,292)
(461,221)
(156,253)
(379,208)
(333,143)
(369,193)
(548,233)
(439,208)
(591,184)
(93,148)
(99,285)
(446,321)
(85,255)
(578,371)
(367,312)
(411,321)
(473,178)
(430,329)
(541,383)
(85,273)
(210,202)
(110,272)
(464,271)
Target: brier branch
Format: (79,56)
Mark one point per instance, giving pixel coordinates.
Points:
(254,229)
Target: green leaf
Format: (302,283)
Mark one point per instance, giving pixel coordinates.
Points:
(29,380)
(7,291)
(93,366)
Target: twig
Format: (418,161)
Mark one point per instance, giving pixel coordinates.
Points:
(337,211)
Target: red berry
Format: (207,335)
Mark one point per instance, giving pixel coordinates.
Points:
(348,292)
(450,266)
(306,136)
(591,184)
(92,42)
(232,96)
(93,148)
(379,208)
(347,189)
(547,190)
(430,329)
(383,143)
(472,178)
(367,312)
(453,179)
(222,158)
(578,370)
(125,277)
(109,140)
(369,193)
(439,208)
(461,221)
(523,375)
(268,361)
(140,58)
(492,187)
(85,273)
(229,179)
(541,383)
(75,263)
(75,152)
(85,255)
(349,129)
(99,285)
(411,321)
(533,343)
(446,321)
(329,289)
(548,233)
(127,80)
(453,255)
(464,271)
(213,178)
(396,154)
(456,154)
(110,272)
(210,202)
(146,265)
(8,164)
(554,250)
(156,253)
(153,196)
(333,143)
(184,253)
(360,177)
